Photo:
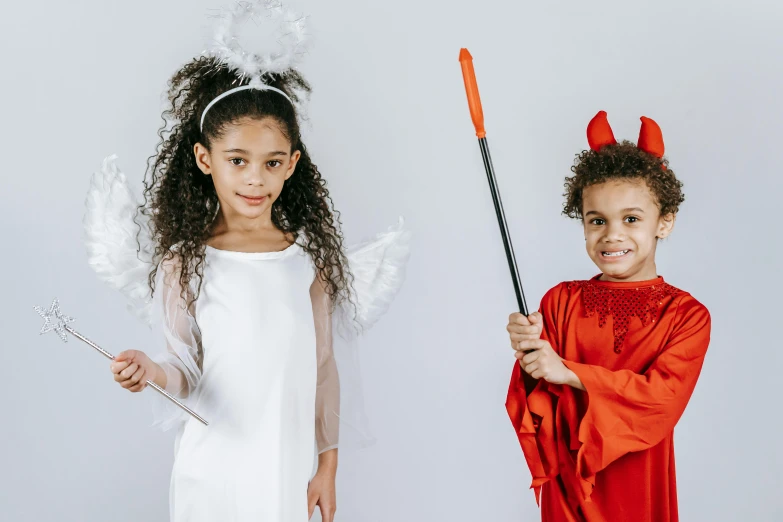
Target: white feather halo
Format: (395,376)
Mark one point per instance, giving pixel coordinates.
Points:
(291,36)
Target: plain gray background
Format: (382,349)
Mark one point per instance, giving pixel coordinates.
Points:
(391,132)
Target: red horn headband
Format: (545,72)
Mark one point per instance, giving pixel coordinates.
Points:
(599,134)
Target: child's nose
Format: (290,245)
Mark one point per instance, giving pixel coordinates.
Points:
(254,175)
(614,231)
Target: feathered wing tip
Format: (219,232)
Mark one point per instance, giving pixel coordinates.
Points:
(111,236)
(378,266)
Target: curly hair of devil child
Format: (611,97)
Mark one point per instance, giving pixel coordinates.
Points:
(181,202)
(622,162)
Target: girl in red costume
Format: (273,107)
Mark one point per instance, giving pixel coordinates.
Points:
(606,366)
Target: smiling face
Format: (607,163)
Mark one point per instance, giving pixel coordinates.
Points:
(249,163)
(622,225)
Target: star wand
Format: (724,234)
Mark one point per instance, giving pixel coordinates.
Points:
(477,115)
(54,320)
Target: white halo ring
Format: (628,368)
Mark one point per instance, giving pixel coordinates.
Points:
(291,35)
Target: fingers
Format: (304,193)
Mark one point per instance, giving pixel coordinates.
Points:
(132,378)
(127,355)
(131,375)
(126,373)
(531,357)
(130,381)
(521,320)
(312,500)
(138,374)
(518,319)
(139,379)
(118,366)
(129,371)
(521,328)
(531,344)
(532,330)
(530,369)
(516,338)
(138,387)
(530,362)
(123,360)
(119,377)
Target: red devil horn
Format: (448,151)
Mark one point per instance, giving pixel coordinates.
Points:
(650,138)
(599,132)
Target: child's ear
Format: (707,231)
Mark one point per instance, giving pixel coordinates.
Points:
(665,225)
(202,158)
(292,165)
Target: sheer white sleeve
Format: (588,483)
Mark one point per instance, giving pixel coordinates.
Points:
(182,357)
(327,394)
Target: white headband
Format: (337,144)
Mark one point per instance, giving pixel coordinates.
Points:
(260,87)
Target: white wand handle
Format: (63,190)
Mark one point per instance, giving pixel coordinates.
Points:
(55,321)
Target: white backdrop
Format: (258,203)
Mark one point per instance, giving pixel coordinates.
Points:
(392,134)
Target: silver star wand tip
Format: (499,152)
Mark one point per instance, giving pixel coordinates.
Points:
(54,320)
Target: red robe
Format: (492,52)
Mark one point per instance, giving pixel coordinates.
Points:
(607,454)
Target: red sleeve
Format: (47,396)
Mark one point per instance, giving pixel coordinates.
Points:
(627,411)
(530,406)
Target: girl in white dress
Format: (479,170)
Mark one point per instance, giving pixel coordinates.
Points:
(245,265)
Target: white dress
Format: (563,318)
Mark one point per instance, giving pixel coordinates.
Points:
(252,365)
(254,356)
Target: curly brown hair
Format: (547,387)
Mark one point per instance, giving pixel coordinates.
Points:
(622,161)
(181,203)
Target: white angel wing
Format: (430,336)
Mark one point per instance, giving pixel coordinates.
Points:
(378,267)
(111,236)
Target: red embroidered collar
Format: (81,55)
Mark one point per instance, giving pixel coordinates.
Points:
(623,300)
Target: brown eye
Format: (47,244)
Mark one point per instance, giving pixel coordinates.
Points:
(598,221)
(236,161)
(632,219)
(273,163)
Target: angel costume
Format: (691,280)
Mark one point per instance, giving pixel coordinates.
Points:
(254,354)
(255,367)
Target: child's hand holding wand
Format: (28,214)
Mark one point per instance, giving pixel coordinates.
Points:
(133,368)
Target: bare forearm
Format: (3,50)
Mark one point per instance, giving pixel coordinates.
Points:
(327,462)
(159,376)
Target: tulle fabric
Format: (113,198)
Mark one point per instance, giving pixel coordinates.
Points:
(183,356)
(327,391)
(378,267)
